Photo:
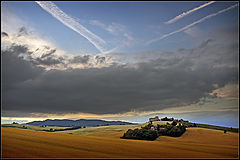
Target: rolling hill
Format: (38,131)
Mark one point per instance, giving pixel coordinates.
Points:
(80,122)
(195,143)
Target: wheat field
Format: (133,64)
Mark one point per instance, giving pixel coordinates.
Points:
(194,143)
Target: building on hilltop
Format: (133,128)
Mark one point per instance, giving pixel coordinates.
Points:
(154,119)
(167,119)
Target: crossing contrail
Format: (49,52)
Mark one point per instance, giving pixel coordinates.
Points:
(73,24)
(192,24)
(188,12)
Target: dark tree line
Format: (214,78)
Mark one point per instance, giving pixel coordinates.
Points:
(145,133)
(64,129)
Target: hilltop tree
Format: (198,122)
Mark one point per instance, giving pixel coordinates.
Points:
(144,134)
(174,123)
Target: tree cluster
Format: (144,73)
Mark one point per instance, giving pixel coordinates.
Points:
(64,129)
(145,133)
(150,132)
(167,119)
(72,128)
(171,130)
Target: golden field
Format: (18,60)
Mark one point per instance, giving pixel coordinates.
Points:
(194,143)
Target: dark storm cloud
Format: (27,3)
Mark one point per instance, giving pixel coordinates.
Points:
(172,79)
(48,61)
(17,50)
(18,113)
(100,59)
(159,83)
(48,54)
(81,59)
(15,69)
(48,58)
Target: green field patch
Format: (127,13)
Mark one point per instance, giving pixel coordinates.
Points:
(91,130)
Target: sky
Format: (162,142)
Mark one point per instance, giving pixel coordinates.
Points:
(120,61)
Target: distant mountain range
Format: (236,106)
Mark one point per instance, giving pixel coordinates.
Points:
(80,122)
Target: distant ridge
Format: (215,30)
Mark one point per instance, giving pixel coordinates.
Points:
(80,122)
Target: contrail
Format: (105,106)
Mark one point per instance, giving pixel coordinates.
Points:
(72,23)
(192,24)
(188,12)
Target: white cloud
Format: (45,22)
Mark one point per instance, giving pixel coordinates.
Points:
(97,23)
(124,37)
(187,13)
(116,28)
(113,28)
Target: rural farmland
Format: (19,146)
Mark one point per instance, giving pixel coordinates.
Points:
(106,143)
(147,79)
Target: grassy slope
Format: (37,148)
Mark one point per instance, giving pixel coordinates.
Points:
(93,130)
(217,127)
(196,142)
(32,127)
(112,131)
(201,126)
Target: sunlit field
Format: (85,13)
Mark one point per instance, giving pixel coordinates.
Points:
(106,143)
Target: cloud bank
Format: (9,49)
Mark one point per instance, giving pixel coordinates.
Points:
(172,79)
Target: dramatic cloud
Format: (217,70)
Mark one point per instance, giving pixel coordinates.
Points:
(187,13)
(44,54)
(73,24)
(48,54)
(80,59)
(192,24)
(173,79)
(15,69)
(230,91)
